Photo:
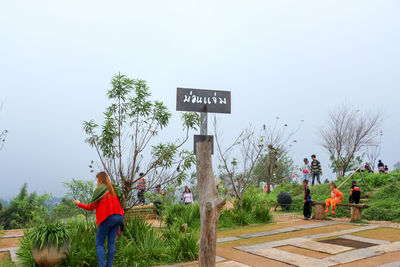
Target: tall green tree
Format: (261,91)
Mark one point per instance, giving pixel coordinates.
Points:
(25,210)
(125,140)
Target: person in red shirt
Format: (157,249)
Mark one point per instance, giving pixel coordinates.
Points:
(109,217)
(336,198)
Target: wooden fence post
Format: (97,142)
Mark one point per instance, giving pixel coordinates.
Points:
(210,204)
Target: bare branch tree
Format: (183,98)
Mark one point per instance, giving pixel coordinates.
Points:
(239,160)
(374,151)
(277,139)
(348,132)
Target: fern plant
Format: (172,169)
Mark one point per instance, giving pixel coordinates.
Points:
(56,234)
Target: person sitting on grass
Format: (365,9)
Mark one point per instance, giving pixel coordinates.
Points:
(109,217)
(355,193)
(307,201)
(336,198)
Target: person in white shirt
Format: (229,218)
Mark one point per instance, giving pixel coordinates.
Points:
(306,170)
(187,196)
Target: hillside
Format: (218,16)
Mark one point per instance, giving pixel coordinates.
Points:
(380,191)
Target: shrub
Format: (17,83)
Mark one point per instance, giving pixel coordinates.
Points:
(179,214)
(82,244)
(56,234)
(25,251)
(184,246)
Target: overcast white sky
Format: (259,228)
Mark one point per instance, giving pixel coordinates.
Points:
(292,59)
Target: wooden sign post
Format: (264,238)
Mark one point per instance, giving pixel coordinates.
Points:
(205,101)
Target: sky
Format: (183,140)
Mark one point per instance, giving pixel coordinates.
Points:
(292,59)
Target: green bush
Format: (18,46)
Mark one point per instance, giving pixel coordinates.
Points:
(56,234)
(177,214)
(25,251)
(184,246)
(82,244)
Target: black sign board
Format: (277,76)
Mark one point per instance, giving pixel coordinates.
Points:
(199,100)
(204,138)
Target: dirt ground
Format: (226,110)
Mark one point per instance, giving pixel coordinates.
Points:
(388,234)
(9,242)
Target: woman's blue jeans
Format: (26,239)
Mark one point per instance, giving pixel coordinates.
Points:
(107,229)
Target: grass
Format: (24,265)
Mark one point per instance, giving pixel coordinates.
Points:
(380,191)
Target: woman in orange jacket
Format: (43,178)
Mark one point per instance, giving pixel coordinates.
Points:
(336,198)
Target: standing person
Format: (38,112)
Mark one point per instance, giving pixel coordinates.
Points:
(381,166)
(187,196)
(316,170)
(141,186)
(307,208)
(306,169)
(109,217)
(336,198)
(355,193)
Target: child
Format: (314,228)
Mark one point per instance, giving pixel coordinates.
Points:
(355,193)
(336,198)
(307,201)
(386,169)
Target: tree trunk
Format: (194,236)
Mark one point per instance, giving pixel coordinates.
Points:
(355,214)
(210,205)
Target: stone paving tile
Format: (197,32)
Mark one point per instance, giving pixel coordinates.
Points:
(387,248)
(273,244)
(11,236)
(227,239)
(272,232)
(354,255)
(231,264)
(315,225)
(367,240)
(218,259)
(13,253)
(392,264)
(292,258)
(344,232)
(288,229)
(322,247)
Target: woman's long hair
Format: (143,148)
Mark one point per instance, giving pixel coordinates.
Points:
(103,179)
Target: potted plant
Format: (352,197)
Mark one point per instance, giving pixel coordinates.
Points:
(50,243)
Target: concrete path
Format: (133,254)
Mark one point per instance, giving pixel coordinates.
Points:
(339,254)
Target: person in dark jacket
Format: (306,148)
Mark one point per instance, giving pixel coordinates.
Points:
(307,208)
(355,193)
(381,166)
(316,170)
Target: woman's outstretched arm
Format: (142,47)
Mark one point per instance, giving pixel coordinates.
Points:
(84,206)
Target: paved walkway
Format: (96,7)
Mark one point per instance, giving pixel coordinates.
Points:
(338,254)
